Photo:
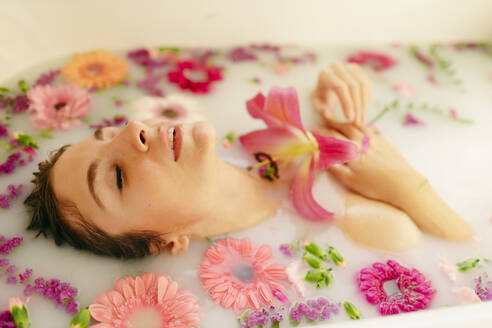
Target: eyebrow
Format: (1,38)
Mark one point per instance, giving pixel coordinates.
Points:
(91,176)
(98,134)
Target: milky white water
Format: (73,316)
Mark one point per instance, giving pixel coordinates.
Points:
(456,158)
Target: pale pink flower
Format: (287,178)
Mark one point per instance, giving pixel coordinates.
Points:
(404,90)
(296,277)
(432,79)
(148,292)
(377,61)
(448,269)
(60,107)
(238,275)
(280,67)
(410,119)
(454,114)
(466,295)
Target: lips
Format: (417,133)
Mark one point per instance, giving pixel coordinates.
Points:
(172,136)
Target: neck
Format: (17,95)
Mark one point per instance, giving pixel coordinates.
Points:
(243,200)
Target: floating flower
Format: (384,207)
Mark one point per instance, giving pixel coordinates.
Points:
(351,310)
(415,292)
(466,295)
(59,107)
(448,269)
(61,293)
(280,67)
(47,78)
(404,90)
(117,120)
(288,143)
(174,108)
(296,277)
(313,310)
(377,61)
(19,312)
(410,119)
(239,276)
(98,69)
(147,292)
(240,54)
(483,287)
(194,76)
(6,320)
(432,79)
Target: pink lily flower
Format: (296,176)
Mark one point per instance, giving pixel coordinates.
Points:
(289,144)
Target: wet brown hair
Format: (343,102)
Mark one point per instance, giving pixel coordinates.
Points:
(49,218)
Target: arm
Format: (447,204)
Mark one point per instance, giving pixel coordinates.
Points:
(383,174)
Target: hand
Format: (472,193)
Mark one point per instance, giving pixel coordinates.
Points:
(380,173)
(347,84)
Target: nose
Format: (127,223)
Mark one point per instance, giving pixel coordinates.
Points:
(135,134)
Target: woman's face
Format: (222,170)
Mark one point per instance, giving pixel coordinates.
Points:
(149,175)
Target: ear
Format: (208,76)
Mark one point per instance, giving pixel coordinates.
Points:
(177,244)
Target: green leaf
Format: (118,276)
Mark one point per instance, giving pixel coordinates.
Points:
(20,316)
(23,86)
(172,49)
(46,133)
(230,136)
(336,256)
(381,114)
(351,310)
(312,260)
(81,319)
(27,141)
(328,277)
(467,264)
(316,251)
(4,89)
(315,275)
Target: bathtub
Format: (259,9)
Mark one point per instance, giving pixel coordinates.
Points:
(35,31)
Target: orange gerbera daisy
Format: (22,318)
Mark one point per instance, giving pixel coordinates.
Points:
(95,69)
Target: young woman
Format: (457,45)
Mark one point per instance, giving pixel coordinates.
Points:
(151,186)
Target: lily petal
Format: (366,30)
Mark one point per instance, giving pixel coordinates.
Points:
(301,194)
(272,141)
(334,151)
(280,109)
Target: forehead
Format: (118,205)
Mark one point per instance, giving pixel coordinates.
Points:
(68,176)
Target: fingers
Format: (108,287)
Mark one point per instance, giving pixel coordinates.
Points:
(366,90)
(330,133)
(354,87)
(322,107)
(342,173)
(348,84)
(349,131)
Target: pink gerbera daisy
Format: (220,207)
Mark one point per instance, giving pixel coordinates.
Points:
(146,297)
(193,76)
(239,276)
(60,107)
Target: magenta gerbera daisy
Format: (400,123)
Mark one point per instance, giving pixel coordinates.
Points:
(193,76)
(238,275)
(415,292)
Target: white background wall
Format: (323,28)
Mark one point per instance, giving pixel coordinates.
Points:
(34,30)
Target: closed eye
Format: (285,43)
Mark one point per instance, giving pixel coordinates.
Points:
(119,180)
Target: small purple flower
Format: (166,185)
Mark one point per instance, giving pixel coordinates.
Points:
(47,78)
(295,315)
(11,280)
(4,262)
(325,313)
(280,296)
(21,103)
(410,119)
(11,269)
(240,54)
(3,131)
(312,315)
(28,290)
(286,250)
(24,276)
(303,308)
